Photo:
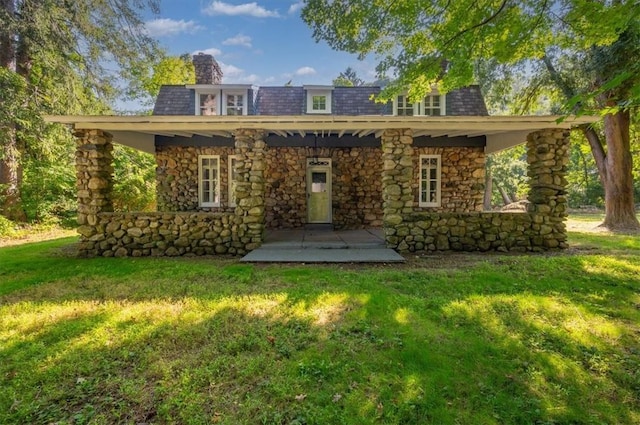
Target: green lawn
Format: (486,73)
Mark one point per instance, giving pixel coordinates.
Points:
(445,339)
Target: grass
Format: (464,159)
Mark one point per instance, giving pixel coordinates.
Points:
(445,339)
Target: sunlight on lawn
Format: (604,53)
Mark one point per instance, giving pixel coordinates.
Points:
(562,340)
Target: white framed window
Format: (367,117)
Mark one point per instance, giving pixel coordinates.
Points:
(432,105)
(319,100)
(207,104)
(430,182)
(209,180)
(402,107)
(232,179)
(235,103)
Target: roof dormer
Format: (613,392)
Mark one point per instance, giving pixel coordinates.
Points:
(318,99)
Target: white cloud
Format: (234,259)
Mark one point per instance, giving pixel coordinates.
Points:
(230,71)
(305,70)
(238,40)
(295,7)
(210,51)
(169,27)
(249,9)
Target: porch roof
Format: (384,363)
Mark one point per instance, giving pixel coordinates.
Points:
(139,131)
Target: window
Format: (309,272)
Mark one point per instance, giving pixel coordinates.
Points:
(232,180)
(319,103)
(403,107)
(234,104)
(429,181)
(208,104)
(209,180)
(318,99)
(432,105)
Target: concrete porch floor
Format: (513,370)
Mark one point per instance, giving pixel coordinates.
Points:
(318,244)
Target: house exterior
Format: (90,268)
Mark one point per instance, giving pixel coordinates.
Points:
(234,160)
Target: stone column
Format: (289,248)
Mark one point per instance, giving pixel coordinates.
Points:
(94,172)
(397,176)
(548,157)
(250,149)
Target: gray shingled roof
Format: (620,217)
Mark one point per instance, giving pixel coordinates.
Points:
(175,100)
(356,101)
(178,100)
(280,101)
(466,101)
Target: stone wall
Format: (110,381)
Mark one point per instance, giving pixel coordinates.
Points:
(548,157)
(462,178)
(475,231)
(356,186)
(165,234)
(177,177)
(250,169)
(94,174)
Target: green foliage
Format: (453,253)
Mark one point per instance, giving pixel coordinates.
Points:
(164,71)
(7,227)
(584,186)
(508,169)
(348,78)
(468,339)
(424,43)
(134,180)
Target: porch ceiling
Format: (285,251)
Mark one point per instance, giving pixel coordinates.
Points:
(501,131)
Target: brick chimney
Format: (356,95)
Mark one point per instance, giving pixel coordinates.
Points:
(207,69)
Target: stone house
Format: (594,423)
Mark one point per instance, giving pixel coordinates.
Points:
(234,160)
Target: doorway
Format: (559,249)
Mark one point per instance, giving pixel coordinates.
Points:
(319,190)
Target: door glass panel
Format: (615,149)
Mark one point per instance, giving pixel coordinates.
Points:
(318,182)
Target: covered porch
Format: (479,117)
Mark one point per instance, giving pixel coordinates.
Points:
(254,142)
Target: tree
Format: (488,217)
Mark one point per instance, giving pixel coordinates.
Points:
(348,78)
(165,70)
(58,57)
(440,41)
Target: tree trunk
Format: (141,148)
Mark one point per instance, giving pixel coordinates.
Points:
(505,196)
(10,172)
(488,189)
(620,212)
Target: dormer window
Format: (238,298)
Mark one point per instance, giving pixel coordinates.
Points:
(318,99)
(403,107)
(235,104)
(221,99)
(432,105)
(208,104)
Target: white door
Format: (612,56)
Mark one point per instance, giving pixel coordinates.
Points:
(318,190)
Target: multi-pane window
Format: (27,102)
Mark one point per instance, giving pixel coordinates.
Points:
(319,103)
(232,180)
(432,106)
(209,180)
(318,100)
(404,107)
(235,104)
(429,181)
(208,104)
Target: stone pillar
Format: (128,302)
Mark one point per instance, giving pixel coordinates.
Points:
(397,177)
(250,149)
(94,171)
(548,157)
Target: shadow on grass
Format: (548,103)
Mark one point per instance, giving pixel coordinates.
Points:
(518,339)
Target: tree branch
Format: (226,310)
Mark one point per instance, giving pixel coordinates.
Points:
(596,148)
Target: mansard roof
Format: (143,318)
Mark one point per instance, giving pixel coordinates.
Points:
(291,100)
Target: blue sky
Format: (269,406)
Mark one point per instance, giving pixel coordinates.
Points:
(256,42)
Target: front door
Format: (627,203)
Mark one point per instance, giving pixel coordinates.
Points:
(318,190)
